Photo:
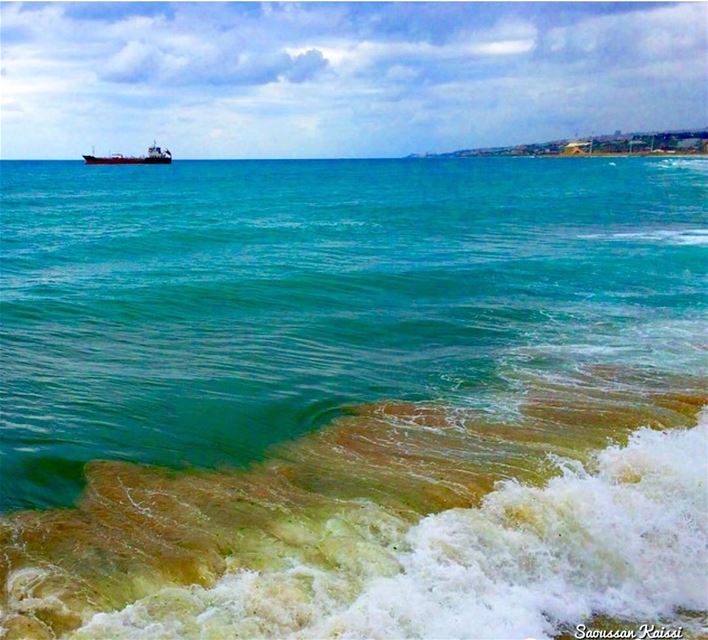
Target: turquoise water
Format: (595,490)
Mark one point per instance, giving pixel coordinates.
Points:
(196,313)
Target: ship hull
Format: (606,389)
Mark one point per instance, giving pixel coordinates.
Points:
(95,160)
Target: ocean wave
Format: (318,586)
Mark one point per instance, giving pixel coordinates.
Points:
(698,164)
(697,237)
(623,536)
(308,543)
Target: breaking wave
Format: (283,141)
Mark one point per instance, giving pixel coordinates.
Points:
(697,164)
(397,520)
(623,536)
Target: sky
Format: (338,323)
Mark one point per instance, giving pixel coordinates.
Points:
(332,80)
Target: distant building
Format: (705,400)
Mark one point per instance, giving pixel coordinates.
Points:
(689,144)
(618,132)
(576,148)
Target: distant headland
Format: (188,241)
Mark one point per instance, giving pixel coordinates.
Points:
(683,142)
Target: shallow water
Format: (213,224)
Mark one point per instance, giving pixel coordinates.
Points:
(328,369)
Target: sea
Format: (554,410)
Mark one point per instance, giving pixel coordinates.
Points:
(416,398)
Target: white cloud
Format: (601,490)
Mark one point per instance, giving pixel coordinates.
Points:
(335,80)
(661,31)
(503,47)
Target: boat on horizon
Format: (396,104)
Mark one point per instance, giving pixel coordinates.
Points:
(155,156)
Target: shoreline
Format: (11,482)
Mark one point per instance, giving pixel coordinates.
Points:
(661,156)
(340,503)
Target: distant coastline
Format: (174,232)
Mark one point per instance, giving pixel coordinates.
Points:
(685,142)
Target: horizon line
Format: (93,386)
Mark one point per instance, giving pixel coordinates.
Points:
(73,159)
(410,155)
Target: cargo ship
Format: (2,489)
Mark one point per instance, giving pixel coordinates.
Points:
(155,156)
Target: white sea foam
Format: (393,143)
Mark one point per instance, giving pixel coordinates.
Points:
(662,236)
(698,164)
(624,536)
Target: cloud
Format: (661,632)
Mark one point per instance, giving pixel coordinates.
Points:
(141,62)
(664,32)
(504,47)
(338,79)
(305,66)
(135,62)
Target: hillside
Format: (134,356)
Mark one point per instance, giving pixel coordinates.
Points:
(686,141)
